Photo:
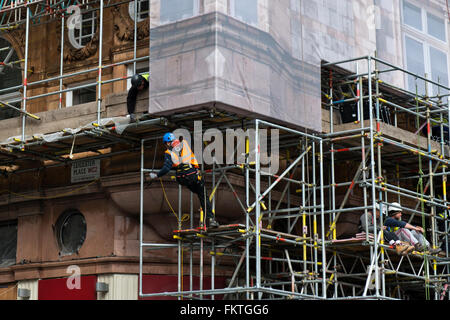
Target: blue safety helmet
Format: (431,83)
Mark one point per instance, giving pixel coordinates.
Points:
(168,137)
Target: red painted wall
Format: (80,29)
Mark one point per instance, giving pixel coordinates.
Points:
(57,289)
(157,283)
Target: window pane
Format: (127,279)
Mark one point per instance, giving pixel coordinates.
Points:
(10,75)
(143,9)
(412,15)
(173,10)
(8,244)
(84,95)
(436,27)
(246,10)
(415,64)
(439,69)
(73,233)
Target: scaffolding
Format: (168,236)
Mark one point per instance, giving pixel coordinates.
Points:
(286,244)
(15,14)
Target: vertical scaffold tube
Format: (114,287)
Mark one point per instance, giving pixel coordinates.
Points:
(100,62)
(380,174)
(141,218)
(61,59)
(374,252)
(135,13)
(314,231)
(258,208)
(333,182)
(360,94)
(25,74)
(322,215)
(180,247)
(247,215)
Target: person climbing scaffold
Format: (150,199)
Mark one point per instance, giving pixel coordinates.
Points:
(179,155)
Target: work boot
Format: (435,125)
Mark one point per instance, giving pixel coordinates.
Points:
(400,248)
(409,249)
(419,247)
(132,118)
(213,223)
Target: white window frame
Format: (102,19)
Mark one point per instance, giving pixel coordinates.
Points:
(402,5)
(70,95)
(426,27)
(195,13)
(76,41)
(131,10)
(428,41)
(424,31)
(233,13)
(130,72)
(426,62)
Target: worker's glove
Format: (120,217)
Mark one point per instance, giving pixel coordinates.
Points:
(153,175)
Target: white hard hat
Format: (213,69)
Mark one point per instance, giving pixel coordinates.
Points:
(395,207)
(377,206)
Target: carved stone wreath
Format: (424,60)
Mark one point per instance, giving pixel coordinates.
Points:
(124,25)
(73,54)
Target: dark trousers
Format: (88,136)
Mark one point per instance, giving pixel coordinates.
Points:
(197,186)
(388,236)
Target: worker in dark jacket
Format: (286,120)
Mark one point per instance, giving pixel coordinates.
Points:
(367,225)
(407,232)
(139,82)
(180,156)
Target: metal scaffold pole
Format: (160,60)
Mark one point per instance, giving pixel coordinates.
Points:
(100,65)
(258,208)
(25,74)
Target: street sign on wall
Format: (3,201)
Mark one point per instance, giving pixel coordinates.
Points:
(85,170)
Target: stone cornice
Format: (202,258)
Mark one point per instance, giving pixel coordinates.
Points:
(92,266)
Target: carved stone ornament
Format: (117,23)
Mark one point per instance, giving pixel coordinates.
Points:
(16,37)
(124,25)
(73,54)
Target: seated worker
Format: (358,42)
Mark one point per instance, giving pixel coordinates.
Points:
(407,232)
(180,156)
(139,82)
(390,237)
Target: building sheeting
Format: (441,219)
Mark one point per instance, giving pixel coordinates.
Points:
(254,70)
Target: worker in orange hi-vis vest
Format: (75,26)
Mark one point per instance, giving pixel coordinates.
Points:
(180,156)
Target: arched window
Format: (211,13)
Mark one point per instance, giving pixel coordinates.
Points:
(70,231)
(79,37)
(10,76)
